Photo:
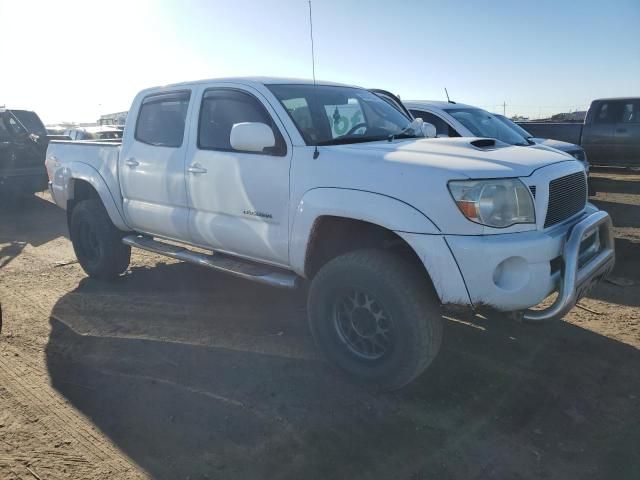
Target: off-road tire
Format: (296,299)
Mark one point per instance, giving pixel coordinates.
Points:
(401,291)
(104,256)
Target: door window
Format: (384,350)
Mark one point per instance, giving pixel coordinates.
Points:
(631,112)
(162,119)
(603,114)
(4,132)
(442,127)
(609,112)
(16,127)
(221,109)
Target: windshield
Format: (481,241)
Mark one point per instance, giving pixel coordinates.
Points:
(514,125)
(482,124)
(31,121)
(330,115)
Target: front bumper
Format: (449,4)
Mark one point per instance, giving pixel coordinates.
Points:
(577,277)
(513,272)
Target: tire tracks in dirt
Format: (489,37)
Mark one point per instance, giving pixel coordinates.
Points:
(24,376)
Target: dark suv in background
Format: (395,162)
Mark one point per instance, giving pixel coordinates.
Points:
(23,145)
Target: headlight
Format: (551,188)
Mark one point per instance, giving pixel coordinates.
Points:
(494,203)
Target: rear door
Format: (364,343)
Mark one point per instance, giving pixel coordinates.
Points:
(239,201)
(598,135)
(627,133)
(152,164)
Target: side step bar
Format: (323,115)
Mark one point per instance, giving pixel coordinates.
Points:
(274,276)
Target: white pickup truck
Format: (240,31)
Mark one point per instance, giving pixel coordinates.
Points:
(285,182)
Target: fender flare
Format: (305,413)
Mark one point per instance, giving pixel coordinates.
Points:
(84,172)
(385,211)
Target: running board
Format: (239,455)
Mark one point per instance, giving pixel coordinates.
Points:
(274,276)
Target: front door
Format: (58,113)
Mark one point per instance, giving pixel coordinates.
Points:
(627,133)
(598,135)
(152,165)
(238,200)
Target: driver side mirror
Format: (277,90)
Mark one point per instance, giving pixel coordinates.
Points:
(251,137)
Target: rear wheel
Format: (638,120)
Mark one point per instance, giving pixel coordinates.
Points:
(376,317)
(97,242)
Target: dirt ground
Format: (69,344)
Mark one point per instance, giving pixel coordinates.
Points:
(176,372)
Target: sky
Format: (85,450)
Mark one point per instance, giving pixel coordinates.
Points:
(74,60)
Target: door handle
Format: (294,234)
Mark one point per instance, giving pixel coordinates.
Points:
(132,162)
(196,169)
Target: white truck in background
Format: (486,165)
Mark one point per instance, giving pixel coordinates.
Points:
(385,225)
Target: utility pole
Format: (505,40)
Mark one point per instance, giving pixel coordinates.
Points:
(504,109)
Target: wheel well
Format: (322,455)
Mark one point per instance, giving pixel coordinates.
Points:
(82,190)
(334,236)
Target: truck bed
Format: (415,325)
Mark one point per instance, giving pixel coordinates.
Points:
(563,131)
(100,156)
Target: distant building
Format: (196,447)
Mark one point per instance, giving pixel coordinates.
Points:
(118,119)
(569,117)
(519,118)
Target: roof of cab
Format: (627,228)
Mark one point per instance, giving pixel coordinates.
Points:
(615,98)
(249,81)
(442,105)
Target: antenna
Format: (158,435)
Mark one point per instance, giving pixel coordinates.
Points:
(447,94)
(316,153)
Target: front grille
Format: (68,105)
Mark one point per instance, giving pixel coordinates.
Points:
(533,190)
(567,196)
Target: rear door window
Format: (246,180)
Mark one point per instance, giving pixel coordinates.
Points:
(609,112)
(4,133)
(631,112)
(15,127)
(161,120)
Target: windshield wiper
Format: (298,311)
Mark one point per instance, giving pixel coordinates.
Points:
(527,144)
(346,140)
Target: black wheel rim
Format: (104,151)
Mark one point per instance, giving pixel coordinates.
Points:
(88,243)
(363,325)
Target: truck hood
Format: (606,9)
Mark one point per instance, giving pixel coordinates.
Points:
(417,172)
(557,144)
(460,157)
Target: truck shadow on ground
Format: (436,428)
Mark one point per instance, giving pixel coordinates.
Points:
(193,374)
(616,184)
(624,215)
(626,271)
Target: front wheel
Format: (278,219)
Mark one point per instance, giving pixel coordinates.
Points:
(376,317)
(97,242)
